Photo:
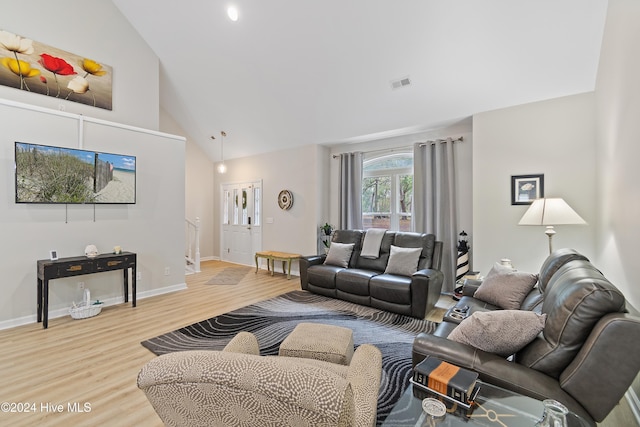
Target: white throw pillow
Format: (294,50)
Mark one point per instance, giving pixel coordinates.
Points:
(502,332)
(339,254)
(403,261)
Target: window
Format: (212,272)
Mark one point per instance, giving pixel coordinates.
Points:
(387,192)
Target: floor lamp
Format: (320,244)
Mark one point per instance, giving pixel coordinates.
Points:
(550,212)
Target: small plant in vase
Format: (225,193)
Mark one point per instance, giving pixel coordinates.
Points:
(326,231)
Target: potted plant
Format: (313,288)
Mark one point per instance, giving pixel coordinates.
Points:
(326,231)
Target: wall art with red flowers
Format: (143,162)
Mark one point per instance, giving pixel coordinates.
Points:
(28,65)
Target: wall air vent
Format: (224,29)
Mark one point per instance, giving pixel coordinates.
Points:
(399,83)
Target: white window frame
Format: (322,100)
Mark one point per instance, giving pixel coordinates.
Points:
(395,173)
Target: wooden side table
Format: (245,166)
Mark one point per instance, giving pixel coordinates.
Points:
(272,256)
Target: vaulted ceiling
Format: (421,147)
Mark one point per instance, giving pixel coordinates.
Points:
(294,72)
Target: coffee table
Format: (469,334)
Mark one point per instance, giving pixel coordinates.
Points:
(493,407)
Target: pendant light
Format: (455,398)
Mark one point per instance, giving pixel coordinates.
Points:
(222,168)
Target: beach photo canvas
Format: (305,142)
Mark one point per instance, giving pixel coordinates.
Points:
(47,174)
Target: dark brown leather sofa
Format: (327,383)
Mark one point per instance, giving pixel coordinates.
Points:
(363,281)
(585,357)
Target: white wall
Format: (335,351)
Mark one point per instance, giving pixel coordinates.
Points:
(618,127)
(199,184)
(298,170)
(97,30)
(554,138)
(152,226)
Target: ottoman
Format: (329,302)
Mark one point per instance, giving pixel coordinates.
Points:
(317,341)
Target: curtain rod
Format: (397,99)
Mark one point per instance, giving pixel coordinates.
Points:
(390,150)
(439,141)
(422,144)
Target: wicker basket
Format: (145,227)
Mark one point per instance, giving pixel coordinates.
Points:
(86,309)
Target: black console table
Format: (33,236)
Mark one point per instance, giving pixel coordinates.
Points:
(75,266)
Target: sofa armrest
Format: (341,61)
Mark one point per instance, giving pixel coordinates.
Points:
(470,286)
(364,375)
(304,263)
(243,342)
(495,370)
(426,285)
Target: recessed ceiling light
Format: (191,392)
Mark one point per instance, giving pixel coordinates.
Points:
(232,12)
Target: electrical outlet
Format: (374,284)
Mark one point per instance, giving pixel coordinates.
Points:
(81,285)
(139,275)
(167,271)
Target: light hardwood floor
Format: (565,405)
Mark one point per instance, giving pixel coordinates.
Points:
(96,361)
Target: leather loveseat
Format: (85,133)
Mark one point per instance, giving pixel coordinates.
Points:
(371,281)
(584,356)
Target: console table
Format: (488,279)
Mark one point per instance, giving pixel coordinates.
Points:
(76,266)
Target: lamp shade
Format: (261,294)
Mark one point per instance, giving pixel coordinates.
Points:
(550,212)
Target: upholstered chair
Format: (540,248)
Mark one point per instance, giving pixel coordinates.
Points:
(237,386)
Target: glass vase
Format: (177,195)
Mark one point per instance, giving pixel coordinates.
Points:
(554,415)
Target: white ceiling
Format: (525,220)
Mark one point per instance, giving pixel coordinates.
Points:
(295,72)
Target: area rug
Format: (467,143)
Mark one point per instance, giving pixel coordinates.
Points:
(229,276)
(272,320)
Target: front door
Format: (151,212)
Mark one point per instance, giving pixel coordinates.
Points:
(241,222)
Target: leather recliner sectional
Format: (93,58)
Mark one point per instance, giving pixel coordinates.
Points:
(585,356)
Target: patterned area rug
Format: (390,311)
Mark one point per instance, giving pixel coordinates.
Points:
(272,320)
(229,276)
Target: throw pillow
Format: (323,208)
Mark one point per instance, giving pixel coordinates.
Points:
(502,332)
(505,287)
(339,254)
(403,261)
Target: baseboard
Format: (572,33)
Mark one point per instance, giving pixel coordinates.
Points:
(634,403)
(61,312)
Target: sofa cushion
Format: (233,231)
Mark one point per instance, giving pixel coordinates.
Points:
(339,254)
(323,276)
(354,280)
(501,332)
(576,298)
(403,261)
(349,236)
(506,287)
(554,261)
(391,288)
(418,240)
(380,263)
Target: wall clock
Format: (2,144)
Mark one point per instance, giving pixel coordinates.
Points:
(285,200)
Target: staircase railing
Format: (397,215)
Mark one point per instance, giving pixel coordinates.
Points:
(193,245)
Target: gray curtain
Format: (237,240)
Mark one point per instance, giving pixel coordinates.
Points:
(351,191)
(434,204)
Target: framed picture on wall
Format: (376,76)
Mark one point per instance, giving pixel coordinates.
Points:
(526,188)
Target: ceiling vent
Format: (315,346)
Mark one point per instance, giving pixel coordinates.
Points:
(403,82)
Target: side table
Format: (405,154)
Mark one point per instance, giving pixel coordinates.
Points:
(272,256)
